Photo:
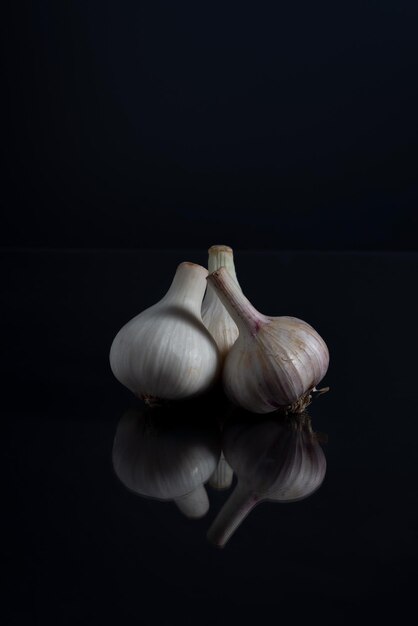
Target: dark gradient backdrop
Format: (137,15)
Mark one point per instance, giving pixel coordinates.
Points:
(182,124)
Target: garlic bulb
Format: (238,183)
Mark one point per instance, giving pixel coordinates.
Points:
(161,456)
(166,352)
(275,362)
(277,460)
(225,332)
(214,315)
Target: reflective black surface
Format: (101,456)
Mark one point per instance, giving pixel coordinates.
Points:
(82,549)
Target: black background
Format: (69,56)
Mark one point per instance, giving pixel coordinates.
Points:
(165,124)
(288,132)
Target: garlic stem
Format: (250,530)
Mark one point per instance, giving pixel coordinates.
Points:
(223,475)
(221,256)
(214,315)
(194,504)
(188,288)
(238,306)
(235,510)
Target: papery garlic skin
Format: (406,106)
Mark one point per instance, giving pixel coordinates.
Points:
(166,352)
(214,315)
(275,369)
(275,361)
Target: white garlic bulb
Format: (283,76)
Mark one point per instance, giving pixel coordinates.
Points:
(225,332)
(166,457)
(275,362)
(274,460)
(214,315)
(166,352)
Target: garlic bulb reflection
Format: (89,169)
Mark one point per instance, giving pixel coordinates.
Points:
(166,352)
(223,475)
(278,460)
(275,362)
(158,455)
(214,315)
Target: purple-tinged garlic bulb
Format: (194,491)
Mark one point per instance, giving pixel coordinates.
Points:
(276,362)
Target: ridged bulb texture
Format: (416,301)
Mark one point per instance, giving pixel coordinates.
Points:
(214,314)
(275,361)
(166,352)
(165,461)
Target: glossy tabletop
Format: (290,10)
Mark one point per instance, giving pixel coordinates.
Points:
(82,548)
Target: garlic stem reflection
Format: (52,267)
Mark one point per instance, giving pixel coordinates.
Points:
(274,459)
(158,455)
